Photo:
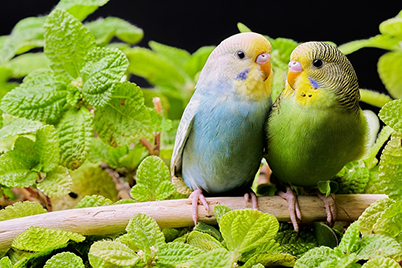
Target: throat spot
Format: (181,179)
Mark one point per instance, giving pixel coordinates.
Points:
(314,83)
(243,75)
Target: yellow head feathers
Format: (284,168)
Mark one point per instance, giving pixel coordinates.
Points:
(242,59)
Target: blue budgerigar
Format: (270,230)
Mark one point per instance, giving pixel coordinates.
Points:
(220,139)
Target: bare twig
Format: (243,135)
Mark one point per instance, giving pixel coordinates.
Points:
(176,213)
(121,186)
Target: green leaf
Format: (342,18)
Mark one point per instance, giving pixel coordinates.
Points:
(178,56)
(378,41)
(374,98)
(325,235)
(381,262)
(76,131)
(243,28)
(94,201)
(282,48)
(112,252)
(217,258)
(46,148)
(81,8)
(66,260)
(21,209)
(350,240)
(390,221)
(391,114)
(244,230)
(103,69)
(38,239)
(145,233)
(18,127)
(40,97)
(389,69)
(203,241)
(153,181)
(177,253)
(392,27)
(219,211)
(197,61)
(105,29)
(208,229)
(27,63)
(27,34)
(315,257)
(355,181)
(57,183)
(156,69)
(371,215)
(16,165)
(67,43)
(390,170)
(5,262)
(324,187)
(124,119)
(382,137)
(377,245)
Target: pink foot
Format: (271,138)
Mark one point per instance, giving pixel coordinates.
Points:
(330,207)
(194,197)
(253,199)
(294,209)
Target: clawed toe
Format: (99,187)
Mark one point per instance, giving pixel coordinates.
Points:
(294,209)
(194,197)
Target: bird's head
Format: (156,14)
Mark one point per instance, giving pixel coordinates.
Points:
(244,61)
(318,71)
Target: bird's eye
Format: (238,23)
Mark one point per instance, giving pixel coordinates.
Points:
(240,54)
(318,63)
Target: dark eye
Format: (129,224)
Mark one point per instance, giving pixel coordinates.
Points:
(318,63)
(240,54)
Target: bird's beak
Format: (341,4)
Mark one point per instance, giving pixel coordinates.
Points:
(264,60)
(295,70)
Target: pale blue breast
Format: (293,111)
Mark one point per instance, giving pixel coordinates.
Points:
(225,146)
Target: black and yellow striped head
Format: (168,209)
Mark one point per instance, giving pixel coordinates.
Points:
(318,68)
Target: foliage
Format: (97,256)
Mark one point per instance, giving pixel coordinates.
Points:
(74,128)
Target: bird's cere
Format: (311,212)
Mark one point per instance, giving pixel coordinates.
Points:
(295,66)
(263,58)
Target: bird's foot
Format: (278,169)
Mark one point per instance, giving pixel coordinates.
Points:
(194,197)
(330,207)
(251,195)
(294,209)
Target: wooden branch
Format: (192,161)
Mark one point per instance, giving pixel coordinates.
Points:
(175,213)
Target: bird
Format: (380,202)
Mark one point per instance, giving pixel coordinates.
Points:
(220,139)
(316,125)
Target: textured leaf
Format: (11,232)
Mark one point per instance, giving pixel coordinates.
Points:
(219,211)
(314,257)
(295,243)
(105,29)
(18,127)
(153,181)
(76,131)
(203,241)
(81,8)
(157,70)
(5,262)
(379,41)
(350,240)
(177,55)
(382,137)
(21,209)
(40,97)
(243,230)
(124,119)
(67,43)
(389,69)
(176,253)
(197,61)
(46,148)
(275,259)
(27,34)
(392,27)
(16,165)
(390,221)
(113,252)
(218,258)
(94,201)
(390,170)
(57,183)
(282,48)
(373,97)
(381,262)
(372,214)
(38,239)
(27,63)
(377,245)
(391,114)
(146,232)
(65,260)
(355,181)
(104,67)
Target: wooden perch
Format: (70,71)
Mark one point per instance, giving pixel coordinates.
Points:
(175,213)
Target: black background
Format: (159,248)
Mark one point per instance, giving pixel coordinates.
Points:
(192,24)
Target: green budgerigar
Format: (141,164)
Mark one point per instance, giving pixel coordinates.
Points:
(316,125)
